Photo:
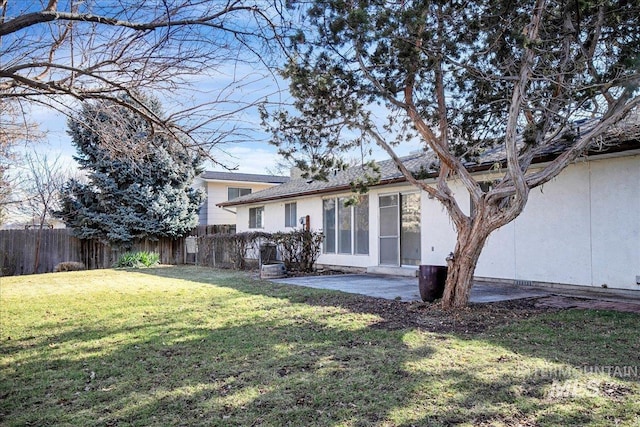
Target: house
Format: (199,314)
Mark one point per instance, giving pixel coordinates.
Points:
(224,186)
(582,228)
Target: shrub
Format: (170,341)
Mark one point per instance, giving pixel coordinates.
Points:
(230,250)
(299,249)
(137,259)
(69,266)
(8,264)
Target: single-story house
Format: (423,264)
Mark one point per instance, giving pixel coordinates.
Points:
(225,186)
(582,228)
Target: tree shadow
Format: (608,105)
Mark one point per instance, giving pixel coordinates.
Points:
(279,367)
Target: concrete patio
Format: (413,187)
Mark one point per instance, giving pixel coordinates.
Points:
(405,288)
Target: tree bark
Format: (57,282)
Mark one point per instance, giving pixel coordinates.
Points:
(462,265)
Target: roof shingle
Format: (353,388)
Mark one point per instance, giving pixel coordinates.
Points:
(622,137)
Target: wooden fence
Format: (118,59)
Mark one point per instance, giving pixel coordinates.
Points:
(39,251)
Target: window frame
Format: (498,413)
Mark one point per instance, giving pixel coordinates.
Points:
(344,227)
(239,190)
(290,215)
(336,247)
(254,225)
(329,205)
(361,246)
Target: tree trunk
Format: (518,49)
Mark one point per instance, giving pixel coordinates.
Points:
(462,265)
(36,258)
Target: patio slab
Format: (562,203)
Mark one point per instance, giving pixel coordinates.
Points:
(405,288)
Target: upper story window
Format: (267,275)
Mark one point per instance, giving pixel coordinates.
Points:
(290,215)
(256,217)
(233,192)
(346,228)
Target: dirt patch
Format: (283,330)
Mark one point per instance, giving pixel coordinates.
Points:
(471,320)
(562,302)
(400,315)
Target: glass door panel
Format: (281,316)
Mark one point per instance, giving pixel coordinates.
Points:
(389,230)
(410,229)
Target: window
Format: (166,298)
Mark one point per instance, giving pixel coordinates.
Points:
(329,225)
(361,226)
(290,215)
(233,192)
(346,228)
(256,217)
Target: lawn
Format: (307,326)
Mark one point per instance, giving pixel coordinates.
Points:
(194,346)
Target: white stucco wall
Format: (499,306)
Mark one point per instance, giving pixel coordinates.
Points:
(217,192)
(582,228)
(552,233)
(615,222)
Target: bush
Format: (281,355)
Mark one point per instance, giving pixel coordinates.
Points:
(69,266)
(137,259)
(230,250)
(8,264)
(299,249)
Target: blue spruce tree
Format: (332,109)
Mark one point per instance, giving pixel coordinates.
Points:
(138,182)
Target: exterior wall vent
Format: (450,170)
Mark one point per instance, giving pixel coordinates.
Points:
(524,283)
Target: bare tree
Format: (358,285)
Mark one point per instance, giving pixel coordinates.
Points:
(204,59)
(15,129)
(38,193)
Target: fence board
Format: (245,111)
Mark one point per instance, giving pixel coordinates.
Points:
(18,249)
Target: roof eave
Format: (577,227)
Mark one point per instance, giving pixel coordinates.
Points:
(241,181)
(482,167)
(304,193)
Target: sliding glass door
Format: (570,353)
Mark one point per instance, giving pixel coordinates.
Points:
(389,230)
(410,229)
(399,229)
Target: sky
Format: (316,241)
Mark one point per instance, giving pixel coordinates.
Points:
(257,157)
(251,154)
(248,155)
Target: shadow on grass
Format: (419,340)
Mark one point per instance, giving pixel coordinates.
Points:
(563,345)
(580,338)
(393,364)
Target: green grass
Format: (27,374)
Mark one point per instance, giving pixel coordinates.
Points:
(193,346)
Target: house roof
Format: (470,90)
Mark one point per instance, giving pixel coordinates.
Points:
(620,138)
(339,181)
(243,177)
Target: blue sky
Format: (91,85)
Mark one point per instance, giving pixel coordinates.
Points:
(238,83)
(250,154)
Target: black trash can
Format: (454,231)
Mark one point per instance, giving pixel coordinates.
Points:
(431,281)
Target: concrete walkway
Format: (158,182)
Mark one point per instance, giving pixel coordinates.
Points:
(405,288)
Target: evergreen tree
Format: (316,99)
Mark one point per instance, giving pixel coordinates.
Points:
(138,182)
(461,76)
